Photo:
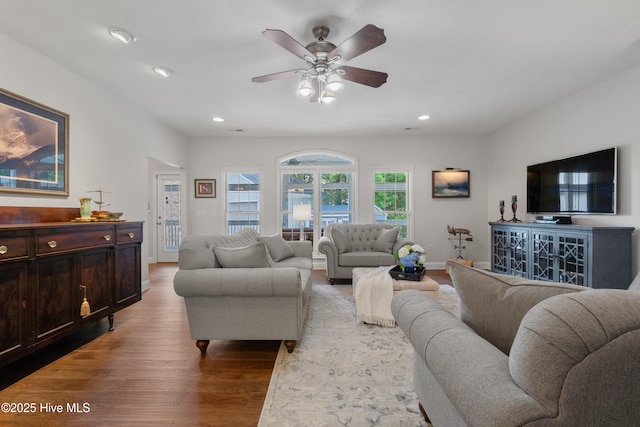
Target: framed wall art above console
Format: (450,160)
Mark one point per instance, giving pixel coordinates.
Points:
(34,147)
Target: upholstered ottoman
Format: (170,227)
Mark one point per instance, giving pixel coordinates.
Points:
(427,285)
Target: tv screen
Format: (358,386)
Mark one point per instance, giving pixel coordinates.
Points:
(584,184)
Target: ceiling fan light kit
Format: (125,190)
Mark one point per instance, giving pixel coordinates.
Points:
(305,89)
(326,73)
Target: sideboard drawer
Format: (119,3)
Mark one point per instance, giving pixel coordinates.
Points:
(76,239)
(13,246)
(129,233)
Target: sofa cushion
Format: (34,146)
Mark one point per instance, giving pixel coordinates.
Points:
(386,239)
(340,240)
(252,256)
(494,304)
(278,248)
(366,259)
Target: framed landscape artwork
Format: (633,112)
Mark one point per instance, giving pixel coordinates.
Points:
(450,183)
(34,147)
(205,188)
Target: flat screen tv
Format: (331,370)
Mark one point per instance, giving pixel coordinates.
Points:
(584,184)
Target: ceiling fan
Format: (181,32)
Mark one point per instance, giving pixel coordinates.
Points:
(325,73)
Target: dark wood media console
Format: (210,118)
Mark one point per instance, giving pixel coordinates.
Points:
(43,266)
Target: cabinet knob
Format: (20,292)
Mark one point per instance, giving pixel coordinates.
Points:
(107,237)
(131,235)
(24,305)
(52,244)
(3,250)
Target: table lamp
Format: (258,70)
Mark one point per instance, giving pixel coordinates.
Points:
(301,213)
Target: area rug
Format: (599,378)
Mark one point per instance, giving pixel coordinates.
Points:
(345,373)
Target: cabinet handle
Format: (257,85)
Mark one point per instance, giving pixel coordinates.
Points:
(3,250)
(131,235)
(24,305)
(52,244)
(107,237)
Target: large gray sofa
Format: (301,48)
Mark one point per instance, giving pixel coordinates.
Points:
(348,246)
(525,353)
(244,287)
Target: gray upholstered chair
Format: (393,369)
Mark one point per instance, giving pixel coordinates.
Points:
(347,246)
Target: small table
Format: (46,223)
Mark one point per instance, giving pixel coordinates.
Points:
(427,285)
(467,262)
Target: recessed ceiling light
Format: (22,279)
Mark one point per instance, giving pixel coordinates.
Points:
(123,35)
(424,117)
(163,71)
(218,119)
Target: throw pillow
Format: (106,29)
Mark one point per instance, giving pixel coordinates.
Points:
(386,239)
(340,239)
(494,304)
(253,256)
(278,248)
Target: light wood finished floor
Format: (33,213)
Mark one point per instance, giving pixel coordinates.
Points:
(146,372)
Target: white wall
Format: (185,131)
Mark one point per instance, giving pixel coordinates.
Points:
(601,116)
(419,154)
(109,138)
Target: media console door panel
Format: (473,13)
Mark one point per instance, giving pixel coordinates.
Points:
(598,257)
(43,269)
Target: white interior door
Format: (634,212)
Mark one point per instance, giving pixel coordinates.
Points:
(168,216)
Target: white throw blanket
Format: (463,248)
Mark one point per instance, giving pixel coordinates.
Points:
(373,295)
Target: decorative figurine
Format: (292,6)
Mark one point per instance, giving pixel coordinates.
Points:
(514,208)
(457,231)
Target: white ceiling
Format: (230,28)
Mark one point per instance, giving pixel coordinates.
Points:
(473,65)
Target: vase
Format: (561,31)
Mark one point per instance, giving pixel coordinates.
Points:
(409,270)
(85,207)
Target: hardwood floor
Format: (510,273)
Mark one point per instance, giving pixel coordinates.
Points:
(146,372)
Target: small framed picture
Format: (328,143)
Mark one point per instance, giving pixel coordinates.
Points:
(205,188)
(450,183)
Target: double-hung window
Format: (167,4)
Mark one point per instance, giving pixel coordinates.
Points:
(391,199)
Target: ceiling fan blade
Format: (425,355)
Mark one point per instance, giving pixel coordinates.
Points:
(364,77)
(269,77)
(363,41)
(287,42)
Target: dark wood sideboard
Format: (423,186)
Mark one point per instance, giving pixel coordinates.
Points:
(43,266)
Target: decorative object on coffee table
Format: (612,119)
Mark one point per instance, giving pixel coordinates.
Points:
(399,274)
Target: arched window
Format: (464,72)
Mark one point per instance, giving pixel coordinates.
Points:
(323,180)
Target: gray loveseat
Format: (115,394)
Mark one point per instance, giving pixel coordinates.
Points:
(244,287)
(348,246)
(526,353)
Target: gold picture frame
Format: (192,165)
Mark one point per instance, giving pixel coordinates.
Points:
(35,147)
(205,188)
